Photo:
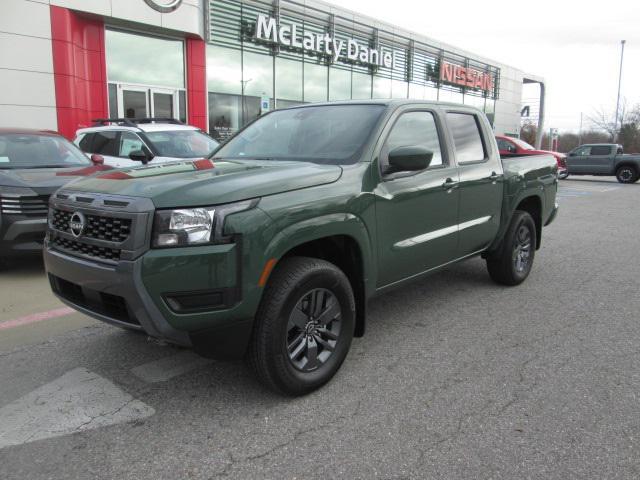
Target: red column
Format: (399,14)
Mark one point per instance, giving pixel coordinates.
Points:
(79,70)
(197,83)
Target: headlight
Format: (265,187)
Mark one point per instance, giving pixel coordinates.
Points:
(194,226)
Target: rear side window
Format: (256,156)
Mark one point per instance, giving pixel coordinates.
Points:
(85,142)
(414,129)
(105,143)
(466,137)
(600,150)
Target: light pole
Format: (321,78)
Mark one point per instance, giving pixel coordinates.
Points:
(622,42)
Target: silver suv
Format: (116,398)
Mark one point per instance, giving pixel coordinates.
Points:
(127,142)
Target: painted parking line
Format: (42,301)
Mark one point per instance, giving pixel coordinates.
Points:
(36,317)
(79,400)
(169,367)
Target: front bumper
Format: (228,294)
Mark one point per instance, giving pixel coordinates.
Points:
(112,294)
(161,293)
(21,235)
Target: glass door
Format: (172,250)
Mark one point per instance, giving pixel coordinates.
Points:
(163,103)
(133,102)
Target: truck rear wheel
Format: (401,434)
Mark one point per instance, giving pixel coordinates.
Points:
(511,264)
(627,174)
(304,326)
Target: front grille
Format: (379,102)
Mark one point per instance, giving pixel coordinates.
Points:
(98,227)
(107,304)
(35,205)
(78,248)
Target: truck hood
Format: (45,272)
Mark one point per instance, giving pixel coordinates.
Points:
(204,182)
(45,181)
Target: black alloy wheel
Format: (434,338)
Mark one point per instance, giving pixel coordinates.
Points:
(626,174)
(511,263)
(304,326)
(522,249)
(313,329)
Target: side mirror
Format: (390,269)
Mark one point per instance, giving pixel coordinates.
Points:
(97,159)
(142,156)
(409,159)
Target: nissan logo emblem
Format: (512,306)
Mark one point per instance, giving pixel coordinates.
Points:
(77,223)
(164,6)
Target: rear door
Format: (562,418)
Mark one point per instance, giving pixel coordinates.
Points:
(481,181)
(416,212)
(601,159)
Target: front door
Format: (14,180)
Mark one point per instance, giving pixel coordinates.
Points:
(577,161)
(416,212)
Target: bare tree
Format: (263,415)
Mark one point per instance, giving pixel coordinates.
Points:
(606,121)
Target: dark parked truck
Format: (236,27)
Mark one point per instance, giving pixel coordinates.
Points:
(604,159)
(271,249)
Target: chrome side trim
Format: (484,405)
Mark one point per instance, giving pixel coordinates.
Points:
(425,237)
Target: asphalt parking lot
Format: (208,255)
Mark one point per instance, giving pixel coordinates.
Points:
(455,378)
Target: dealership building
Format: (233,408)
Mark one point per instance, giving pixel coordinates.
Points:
(218,64)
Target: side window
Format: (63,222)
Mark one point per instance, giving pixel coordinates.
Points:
(414,129)
(128,143)
(583,151)
(84,142)
(106,143)
(466,137)
(601,150)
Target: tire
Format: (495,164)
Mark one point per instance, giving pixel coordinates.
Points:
(512,262)
(288,331)
(627,174)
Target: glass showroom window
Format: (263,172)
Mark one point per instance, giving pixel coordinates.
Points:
(381,87)
(339,84)
(288,82)
(257,77)
(224,75)
(360,86)
(315,82)
(146,75)
(399,89)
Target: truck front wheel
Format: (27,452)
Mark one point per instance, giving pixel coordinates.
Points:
(627,174)
(512,262)
(304,326)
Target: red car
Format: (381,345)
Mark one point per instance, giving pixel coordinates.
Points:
(514,147)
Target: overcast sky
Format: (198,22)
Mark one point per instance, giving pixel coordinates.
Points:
(575,46)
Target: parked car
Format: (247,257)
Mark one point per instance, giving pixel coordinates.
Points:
(33,164)
(273,247)
(127,142)
(514,147)
(604,159)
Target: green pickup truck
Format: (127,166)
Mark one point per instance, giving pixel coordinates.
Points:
(604,159)
(271,249)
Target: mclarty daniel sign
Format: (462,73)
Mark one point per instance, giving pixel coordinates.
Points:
(345,50)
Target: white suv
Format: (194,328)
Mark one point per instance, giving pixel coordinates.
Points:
(127,142)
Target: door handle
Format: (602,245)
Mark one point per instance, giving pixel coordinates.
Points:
(494,177)
(449,184)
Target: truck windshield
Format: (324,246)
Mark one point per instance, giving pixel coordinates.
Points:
(330,134)
(38,151)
